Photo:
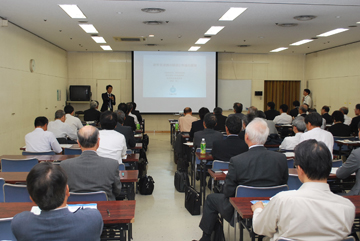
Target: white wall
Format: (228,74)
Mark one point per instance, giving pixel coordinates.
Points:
(25,95)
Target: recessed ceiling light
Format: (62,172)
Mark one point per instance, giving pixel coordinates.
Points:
(106,47)
(151,35)
(72,10)
(153,10)
(202,40)
(89,28)
(278,49)
(231,14)
(99,40)
(358,22)
(194,48)
(304,41)
(214,30)
(332,32)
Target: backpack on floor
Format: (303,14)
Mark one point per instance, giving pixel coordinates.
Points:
(145,142)
(146,185)
(181,180)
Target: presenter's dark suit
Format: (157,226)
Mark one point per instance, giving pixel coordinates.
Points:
(327,118)
(220,123)
(106,101)
(257,167)
(92,115)
(196,126)
(129,121)
(91,173)
(223,150)
(61,224)
(128,133)
(270,114)
(210,136)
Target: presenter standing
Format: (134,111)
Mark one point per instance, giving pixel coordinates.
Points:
(108,99)
(307,98)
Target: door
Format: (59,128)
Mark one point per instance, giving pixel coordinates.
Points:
(281,92)
(101,88)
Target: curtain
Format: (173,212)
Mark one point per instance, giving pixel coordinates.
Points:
(281,92)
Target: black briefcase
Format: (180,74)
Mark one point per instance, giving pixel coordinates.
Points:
(181,180)
(192,201)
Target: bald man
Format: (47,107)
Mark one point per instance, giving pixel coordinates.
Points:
(186,120)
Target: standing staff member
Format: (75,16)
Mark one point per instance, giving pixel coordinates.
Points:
(108,99)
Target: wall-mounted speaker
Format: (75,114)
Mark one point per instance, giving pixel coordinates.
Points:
(258,93)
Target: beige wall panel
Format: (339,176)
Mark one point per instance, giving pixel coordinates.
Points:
(80,65)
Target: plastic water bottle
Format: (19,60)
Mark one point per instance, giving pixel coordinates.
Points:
(176,126)
(203,146)
(137,126)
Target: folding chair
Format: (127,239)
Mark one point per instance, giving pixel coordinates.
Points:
(337,163)
(69,151)
(2,182)
(16,193)
(121,167)
(218,165)
(290,163)
(87,196)
(294,182)
(5,229)
(38,153)
(23,165)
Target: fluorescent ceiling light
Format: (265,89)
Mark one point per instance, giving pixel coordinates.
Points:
(332,32)
(278,49)
(202,40)
(304,41)
(231,14)
(106,47)
(72,10)
(214,30)
(89,28)
(99,40)
(194,48)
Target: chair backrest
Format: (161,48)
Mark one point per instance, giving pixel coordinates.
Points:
(23,165)
(16,193)
(220,164)
(121,167)
(294,182)
(69,151)
(290,163)
(87,196)
(197,160)
(5,229)
(337,163)
(2,182)
(38,153)
(247,191)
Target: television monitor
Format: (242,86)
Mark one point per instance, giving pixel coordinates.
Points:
(80,92)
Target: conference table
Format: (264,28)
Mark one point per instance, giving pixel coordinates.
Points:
(117,214)
(77,147)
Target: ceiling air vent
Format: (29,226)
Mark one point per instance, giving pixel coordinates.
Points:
(304,17)
(244,45)
(129,39)
(151,45)
(153,10)
(155,22)
(286,24)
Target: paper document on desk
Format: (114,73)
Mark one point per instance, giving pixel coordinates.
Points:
(66,145)
(265,202)
(72,207)
(289,154)
(225,172)
(333,170)
(189,143)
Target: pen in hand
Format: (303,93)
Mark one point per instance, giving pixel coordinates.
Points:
(108,212)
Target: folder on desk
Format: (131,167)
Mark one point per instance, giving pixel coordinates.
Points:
(215,170)
(72,207)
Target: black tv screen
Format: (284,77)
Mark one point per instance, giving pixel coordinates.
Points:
(80,92)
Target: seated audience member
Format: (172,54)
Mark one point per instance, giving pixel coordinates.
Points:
(125,130)
(325,114)
(303,110)
(271,112)
(136,112)
(294,112)
(199,124)
(130,109)
(339,128)
(323,125)
(41,140)
(245,121)
(351,165)
(307,98)
(283,118)
(60,128)
(271,124)
(252,110)
(90,172)
(299,127)
(238,107)
(112,143)
(47,186)
(313,123)
(129,120)
(92,114)
(257,167)
(223,150)
(186,120)
(345,111)
(209,134)
(355,121)
(70,119)
(220,119)
(312,212)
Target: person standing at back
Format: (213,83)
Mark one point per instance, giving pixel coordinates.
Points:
(108,99)
(307,98)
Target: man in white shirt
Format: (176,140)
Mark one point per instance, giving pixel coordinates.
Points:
(60,128)
(299,127)
(313,123)
(312,212)
(41,140)
(307,98)
(186,121)
(130,108)
(283,118)
(112,143)
(70,119)
(345,111)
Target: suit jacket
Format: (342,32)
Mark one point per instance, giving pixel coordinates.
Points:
(354,124)
(106,99)
(242,135)
(351,165)
(270,114)
(138,115)
(220,123)
(84,224)
(340,129)
(327,118)
(90,173)
(92,115)
(210,136)
(129,121)
(128,133)
(294,112)
(223,150)
(196,126)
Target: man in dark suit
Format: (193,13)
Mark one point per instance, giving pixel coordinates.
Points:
(339,128)
(238,107)
(325,114)
(125,130)
(209,134)
(136,112)
(355,121)
(223,150)
(89,172)
(271,112)
(108,99)
(129,120)
(257,167)
(294,112)
(199,124)
(92,114)
(220,119)
(47,186)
